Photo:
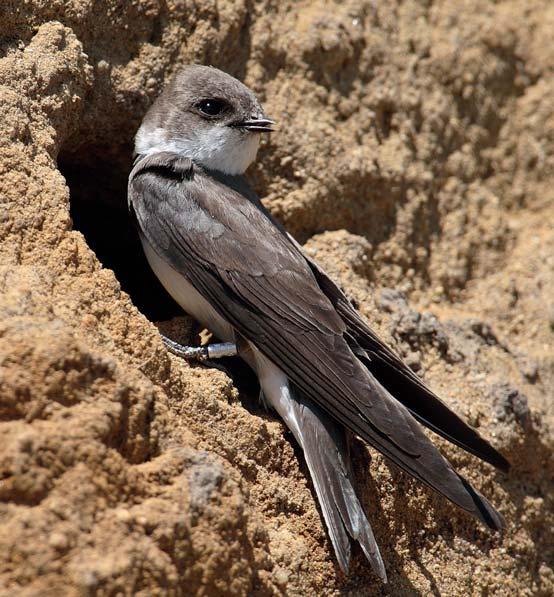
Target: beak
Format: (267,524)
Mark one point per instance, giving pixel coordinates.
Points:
(260,125)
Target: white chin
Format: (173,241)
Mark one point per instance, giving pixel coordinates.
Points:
(223,149)
(227,150)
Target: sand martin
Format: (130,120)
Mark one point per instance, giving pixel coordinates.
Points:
(235,269)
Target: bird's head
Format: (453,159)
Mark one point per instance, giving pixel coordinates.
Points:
(208,116)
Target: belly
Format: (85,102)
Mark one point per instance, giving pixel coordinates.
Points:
(187,296)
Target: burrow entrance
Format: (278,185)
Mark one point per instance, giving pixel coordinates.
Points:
(98,196)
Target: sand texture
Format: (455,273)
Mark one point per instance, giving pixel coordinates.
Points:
(415,162)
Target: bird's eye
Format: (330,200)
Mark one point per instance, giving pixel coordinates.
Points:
(212,107)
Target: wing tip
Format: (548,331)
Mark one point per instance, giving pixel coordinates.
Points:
(375,560)
(502,463)
(486,452)
(484,510)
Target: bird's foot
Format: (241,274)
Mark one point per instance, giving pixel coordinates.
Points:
(203,354)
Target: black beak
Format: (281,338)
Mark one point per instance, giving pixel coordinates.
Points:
(260,125)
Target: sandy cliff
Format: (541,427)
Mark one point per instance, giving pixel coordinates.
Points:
(415,161)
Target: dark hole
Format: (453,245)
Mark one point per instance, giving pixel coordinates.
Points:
(386,120)
(98,195)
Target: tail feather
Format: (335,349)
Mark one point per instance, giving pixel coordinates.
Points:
(325,451)
(324,445)
(398,437)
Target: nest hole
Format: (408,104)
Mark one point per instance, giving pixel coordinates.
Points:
(98,208)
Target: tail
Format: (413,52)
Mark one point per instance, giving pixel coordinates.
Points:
(325,450)
(324,444)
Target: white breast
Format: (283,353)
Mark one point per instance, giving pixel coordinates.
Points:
(187,296)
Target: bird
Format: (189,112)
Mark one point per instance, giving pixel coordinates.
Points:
(234,268)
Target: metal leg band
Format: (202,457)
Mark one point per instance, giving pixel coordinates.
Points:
(201,353)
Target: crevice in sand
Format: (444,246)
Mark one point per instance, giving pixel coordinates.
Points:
(98,207)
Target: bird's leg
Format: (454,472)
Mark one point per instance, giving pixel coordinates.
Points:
(201,353)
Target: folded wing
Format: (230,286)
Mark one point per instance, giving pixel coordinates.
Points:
(259,281)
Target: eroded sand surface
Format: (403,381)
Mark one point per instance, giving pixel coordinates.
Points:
(415,160)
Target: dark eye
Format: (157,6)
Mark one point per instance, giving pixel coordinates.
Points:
(212,107)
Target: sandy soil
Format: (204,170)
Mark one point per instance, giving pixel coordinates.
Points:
(415,161)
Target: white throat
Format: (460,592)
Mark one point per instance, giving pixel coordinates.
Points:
(218,148)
